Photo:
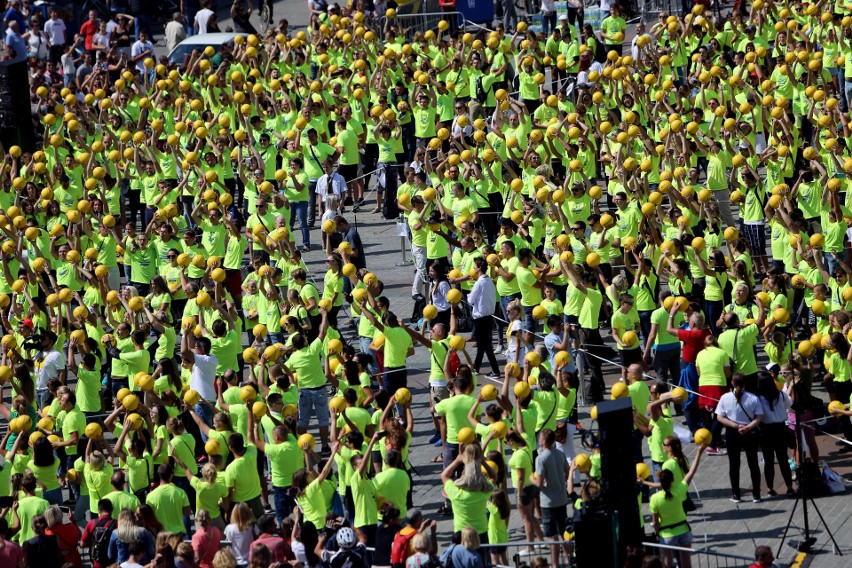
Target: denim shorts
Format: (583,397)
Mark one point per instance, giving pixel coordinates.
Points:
(315,400)
(682,540)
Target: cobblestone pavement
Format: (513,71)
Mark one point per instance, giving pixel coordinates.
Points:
(718,523)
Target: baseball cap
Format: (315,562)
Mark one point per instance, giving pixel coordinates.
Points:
(563,17)
(27,323)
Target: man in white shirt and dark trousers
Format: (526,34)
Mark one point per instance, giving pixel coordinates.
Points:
(331,183)
(483,299)
(56,32)
(196,351)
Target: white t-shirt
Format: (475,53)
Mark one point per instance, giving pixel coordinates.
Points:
(743,412)
(55,30)
(48,367)
(139,48)
(204,375)
(129,564)
(240,541)
(201,19)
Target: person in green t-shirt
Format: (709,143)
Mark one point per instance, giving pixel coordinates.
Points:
(170,502)
(398,347)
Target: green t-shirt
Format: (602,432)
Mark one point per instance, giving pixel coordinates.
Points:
(88,390)
(711,363)
(98,484)
(468,507)
(306,364)
(393,484)
(364,497)
(743,351)
(669,512)
(168,501)
(121,500)
(530,295)
(521,459)
(397,344)
(286,459)
(455,410)
(183,447)
(622,323)
(75,421)
(208,495)
(46,474)
(660,316)
(29,507)
(590,310)
(313,504)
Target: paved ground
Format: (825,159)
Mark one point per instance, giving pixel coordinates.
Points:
(718,523)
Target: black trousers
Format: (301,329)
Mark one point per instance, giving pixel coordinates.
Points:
(594,345)
(482,333)
(738,443)
(773,444)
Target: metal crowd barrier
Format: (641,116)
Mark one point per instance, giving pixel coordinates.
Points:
(421,22)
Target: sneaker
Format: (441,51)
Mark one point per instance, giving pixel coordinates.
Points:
(756,500)
(735,499)
(492,376)
(435,438)
(439,443)
(773,493)
(716,452)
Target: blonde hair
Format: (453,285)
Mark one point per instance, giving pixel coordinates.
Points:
(242,516)
(127,530)
(224,559)
(472,477)
(421,542)
(470,538)
(96,460)
(209,473)
(53,516)
(202,517)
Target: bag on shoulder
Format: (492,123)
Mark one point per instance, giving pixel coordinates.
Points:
(400,548)
(99,548)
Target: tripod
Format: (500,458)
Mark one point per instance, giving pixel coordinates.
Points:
(802,495)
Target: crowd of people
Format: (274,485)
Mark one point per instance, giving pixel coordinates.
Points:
(570,202)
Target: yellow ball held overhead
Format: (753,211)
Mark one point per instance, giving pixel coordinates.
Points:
(703,437)
(466,435)
(306,442)
(522,390)
(403,396)
(583,463)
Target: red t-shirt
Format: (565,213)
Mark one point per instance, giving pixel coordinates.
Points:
(693,342)
(88,31)
(278,547)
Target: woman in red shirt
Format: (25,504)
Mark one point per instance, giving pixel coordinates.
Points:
(67,534)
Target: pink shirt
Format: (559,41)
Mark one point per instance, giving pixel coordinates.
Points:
(205,542)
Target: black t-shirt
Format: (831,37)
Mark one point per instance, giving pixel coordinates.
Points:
(384,542)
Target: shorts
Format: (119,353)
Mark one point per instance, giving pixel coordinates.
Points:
(438,394)
(630,356)
(682,540)
(313,401)
(348,172)
(756,237)
(554,520)
(529,494)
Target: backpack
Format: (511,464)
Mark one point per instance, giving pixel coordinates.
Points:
(481,94)
(400,548)
(347,559)
(99,548)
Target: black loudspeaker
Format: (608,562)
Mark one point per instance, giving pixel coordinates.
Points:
(596,536)
(618,471)
(16,123)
